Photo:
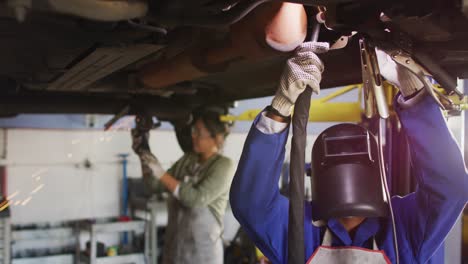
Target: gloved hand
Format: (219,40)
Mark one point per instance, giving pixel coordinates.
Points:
(148,159)
(397,75)
(141,147)
(140,140)
(304,68)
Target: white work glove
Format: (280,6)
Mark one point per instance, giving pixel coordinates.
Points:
(304,68)
(148,159)
(397,75)
(141,147)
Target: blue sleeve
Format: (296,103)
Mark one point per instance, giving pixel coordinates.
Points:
(426,216)
(255,199)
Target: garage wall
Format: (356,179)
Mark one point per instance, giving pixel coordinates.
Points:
(47,179)
(47,174)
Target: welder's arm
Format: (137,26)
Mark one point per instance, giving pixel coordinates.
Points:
(158,174)
(154,175)
(150,181)
(140,145)
(255,198)
(426,216)
(155,179)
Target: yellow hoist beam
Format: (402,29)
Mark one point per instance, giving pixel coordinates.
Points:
(321,109)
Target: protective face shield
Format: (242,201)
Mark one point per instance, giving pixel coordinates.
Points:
(346,177)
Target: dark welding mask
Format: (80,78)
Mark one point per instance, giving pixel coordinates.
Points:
(346,177)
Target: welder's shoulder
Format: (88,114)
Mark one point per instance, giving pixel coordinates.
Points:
(223,167)
(224,162)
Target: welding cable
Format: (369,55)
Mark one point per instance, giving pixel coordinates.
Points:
(296,243)
(385,183)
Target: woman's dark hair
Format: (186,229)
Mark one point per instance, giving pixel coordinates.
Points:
(213,123)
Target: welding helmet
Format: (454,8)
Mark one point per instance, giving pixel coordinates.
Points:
(346,177)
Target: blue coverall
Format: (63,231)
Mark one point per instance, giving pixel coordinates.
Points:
(423,218)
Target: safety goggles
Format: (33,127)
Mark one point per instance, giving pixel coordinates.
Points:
(347,146)
(199,134)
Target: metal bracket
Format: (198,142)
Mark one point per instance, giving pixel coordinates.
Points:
(340,43)
(372,81)
(145,122)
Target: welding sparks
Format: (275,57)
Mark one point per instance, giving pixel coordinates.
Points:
(11,196)
(25,202)
(38,188)
(17,202)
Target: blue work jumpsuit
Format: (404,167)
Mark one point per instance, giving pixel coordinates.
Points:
(423,218)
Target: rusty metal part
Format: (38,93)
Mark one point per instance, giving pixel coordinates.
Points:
(271,29)
(465,12)
(100,10)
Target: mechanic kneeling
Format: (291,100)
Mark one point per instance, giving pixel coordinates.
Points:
(349,222)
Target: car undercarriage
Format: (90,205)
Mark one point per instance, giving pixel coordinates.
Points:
(168,58)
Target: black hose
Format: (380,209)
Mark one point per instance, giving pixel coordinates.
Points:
(448,82)
(384,179)
(296,244)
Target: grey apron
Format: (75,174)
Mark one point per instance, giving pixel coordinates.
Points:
(193,235)
(326,254)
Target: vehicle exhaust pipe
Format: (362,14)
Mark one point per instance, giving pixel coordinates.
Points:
(271,29)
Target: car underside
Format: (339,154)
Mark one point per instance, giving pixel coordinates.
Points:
(170,57)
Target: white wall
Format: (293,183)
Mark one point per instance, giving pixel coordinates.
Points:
(48,182)
(53,159)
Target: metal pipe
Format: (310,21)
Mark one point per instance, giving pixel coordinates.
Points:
(124,209)
(315,32)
